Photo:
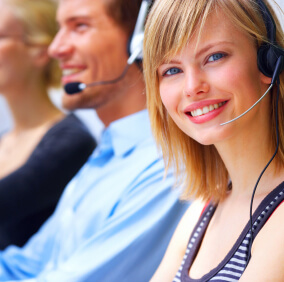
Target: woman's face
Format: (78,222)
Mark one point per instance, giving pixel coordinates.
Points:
(214,81)
(15,59)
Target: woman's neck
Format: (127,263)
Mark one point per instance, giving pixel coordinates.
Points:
(31,107)
(245,158)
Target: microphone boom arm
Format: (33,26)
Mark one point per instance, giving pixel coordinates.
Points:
(271,85)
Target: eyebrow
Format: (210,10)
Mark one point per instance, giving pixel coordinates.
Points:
(211,45)
(79,17)
(71,20)
(201,51)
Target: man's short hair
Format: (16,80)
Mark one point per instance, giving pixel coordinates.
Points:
(124,12)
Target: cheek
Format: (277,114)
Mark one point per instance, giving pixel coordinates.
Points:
(9,63)
(242,74)
(170,97)
(245,83)
(225,77)
(6,53)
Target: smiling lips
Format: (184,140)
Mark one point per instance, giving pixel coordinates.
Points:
(206,109)
(70,73)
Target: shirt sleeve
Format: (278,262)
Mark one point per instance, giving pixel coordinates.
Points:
(132,241)
(19,263)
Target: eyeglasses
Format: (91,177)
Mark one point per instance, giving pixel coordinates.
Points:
(18,37)
(21,38)
(4,36)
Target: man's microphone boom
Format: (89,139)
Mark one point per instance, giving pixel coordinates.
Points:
(76,87)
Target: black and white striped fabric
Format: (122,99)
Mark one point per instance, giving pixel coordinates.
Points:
(233,265)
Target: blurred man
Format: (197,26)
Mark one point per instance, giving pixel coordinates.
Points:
(116,216)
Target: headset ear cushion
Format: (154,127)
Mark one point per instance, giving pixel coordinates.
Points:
(137,61)
(128,45)
(267,57)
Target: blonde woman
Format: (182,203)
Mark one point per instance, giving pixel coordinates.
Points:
(207,62)
(45,148)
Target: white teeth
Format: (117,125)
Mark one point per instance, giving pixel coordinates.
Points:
(70,71)
(206,109)
(198,112)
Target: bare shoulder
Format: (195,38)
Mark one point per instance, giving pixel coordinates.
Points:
(177,246)
(190,219)
(267,253)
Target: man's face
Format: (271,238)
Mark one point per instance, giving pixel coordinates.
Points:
(90,47)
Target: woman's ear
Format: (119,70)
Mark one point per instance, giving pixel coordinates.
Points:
(39,56)
(265,79)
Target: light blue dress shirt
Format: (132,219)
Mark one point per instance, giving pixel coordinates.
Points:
(114,220)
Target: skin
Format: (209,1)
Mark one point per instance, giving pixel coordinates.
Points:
(12,47)
(223,68)
(21,70)
(91,46)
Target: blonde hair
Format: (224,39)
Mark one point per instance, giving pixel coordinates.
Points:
(170,25)
(38,18)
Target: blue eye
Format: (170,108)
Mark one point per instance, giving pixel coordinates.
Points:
(172,71)
(216,57)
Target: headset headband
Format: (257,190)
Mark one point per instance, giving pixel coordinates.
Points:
(270,57)
(268,21)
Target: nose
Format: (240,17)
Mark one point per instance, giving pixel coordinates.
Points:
(60,47)
(195,82)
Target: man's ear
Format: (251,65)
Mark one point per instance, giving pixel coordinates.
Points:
(39,56)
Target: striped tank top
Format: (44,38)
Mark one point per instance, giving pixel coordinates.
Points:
(233,265)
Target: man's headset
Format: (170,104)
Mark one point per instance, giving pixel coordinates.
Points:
(135,50)
(135,45)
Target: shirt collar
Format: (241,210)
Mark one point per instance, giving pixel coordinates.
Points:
(124,134)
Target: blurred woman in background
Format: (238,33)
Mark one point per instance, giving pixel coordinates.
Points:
(45,148)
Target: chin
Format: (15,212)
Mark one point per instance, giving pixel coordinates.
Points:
(216,138)
(72,102)
(205,141)
(81,100)
(209,137)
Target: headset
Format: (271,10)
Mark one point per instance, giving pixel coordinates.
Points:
(270,56)
(135,51)
(270,61)
(135,44)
